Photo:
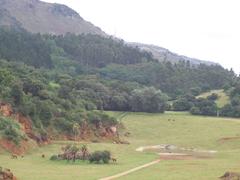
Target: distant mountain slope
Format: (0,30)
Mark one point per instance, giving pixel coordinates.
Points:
(163,54)
(41,17)
(47,18)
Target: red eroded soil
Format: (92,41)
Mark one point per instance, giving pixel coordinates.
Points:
(20,149)
(103,133)
(5,109)
(26,126)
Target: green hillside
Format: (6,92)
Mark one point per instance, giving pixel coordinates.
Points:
(58,81)
(222,99)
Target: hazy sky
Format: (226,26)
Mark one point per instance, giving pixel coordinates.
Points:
(204,29)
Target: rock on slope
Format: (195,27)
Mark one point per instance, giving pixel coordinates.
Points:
(41,17)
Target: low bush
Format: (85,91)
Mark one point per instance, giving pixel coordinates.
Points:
(54,158)
(213,97)
(100,157)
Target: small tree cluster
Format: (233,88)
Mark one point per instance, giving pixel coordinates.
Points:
(73,153)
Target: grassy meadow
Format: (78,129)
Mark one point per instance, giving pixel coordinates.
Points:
(203,133)
(222,100)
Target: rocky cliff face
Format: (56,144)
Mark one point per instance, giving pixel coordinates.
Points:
(40,17)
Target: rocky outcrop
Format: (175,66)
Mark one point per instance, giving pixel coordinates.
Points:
(46,18)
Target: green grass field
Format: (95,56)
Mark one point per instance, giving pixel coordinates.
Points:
(146,129)
(221,101)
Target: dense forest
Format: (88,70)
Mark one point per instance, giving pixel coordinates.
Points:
(59,81)
(233,108)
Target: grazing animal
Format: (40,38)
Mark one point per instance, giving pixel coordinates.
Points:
(114,160)
(14,156)
(43,155)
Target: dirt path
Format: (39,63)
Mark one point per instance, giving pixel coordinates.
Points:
(131,170)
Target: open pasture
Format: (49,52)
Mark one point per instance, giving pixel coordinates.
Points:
(179,129)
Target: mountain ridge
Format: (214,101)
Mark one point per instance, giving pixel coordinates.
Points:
(46,18)
(163,54)
(41,17)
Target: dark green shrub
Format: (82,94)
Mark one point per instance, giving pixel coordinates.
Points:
(63,125)
(213,97)
(10,130)
(182,104)
(95,157)
(54,158)
(195,110)
(204,107)
(106,156)
(195,91)
(100,157)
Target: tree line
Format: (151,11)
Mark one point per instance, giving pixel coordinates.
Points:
(59,81)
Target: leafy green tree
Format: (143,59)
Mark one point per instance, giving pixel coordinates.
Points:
(17,93)
(76,130)
(148,100)
(182,104)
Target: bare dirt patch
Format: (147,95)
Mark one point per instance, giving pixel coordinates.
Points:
(227,139)
(20,149)
(172,152)
(176,157)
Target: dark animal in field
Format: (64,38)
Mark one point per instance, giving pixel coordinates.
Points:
(114,160)
(43,155)
(14,156)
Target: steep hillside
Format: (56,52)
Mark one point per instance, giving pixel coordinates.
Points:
(163,54)
(37,16)
(47,18)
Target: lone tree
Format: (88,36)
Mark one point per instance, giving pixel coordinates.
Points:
(85,152)
(74,150)
(76,130)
